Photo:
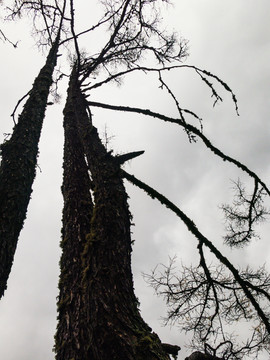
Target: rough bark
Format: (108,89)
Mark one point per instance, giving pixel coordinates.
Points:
(197,355)
(115,328)
(18,166)
(77,213)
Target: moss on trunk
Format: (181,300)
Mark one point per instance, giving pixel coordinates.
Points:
(77,213)
(112,323)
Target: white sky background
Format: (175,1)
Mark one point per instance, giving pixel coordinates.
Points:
(229,38)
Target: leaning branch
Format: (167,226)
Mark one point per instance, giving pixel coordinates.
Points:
(189,128)
(203,240)
(204,75)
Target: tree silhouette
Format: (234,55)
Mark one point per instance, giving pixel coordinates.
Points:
(98,314)
(18,164)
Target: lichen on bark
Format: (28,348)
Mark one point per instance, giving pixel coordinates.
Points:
(111,323)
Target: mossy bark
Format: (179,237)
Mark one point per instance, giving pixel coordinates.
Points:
(77,213)
(18,166)
(112,322)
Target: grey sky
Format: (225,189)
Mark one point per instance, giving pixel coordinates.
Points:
(229,38)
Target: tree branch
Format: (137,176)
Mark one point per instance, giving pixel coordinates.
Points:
(188,127)
(203,240)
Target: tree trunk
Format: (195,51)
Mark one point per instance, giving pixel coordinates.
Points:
(77,213)
(115,329)
(17,170)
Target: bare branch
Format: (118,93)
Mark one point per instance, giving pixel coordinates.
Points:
(242,282)
(134,32)
(17,105)
(245,212)
(190,128)
(49,11)
(7,40)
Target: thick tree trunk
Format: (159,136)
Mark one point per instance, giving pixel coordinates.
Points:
(115,329)
(77,213)
(17,170)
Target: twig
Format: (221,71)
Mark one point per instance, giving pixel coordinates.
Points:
(18,103)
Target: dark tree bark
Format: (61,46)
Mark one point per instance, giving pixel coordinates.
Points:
(112,326)
(197,355)
(77,213)
(18,166)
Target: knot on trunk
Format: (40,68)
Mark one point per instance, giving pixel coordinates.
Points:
(171,349)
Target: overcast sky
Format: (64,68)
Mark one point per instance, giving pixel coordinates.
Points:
(229,38)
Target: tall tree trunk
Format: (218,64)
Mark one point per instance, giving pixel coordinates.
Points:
(77,213)
(17,170)
(115,328)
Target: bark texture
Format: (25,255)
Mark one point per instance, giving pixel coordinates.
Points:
(116,329)
(197,355)
(112,326)
(77,213)
(18,166)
